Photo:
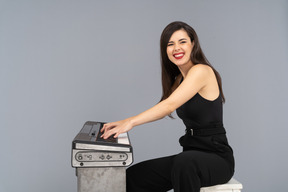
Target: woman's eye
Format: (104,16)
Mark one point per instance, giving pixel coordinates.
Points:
(182,42)
(169,44)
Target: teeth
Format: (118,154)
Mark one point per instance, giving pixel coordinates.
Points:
(179,55)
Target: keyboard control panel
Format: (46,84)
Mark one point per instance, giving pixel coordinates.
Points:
(100,156)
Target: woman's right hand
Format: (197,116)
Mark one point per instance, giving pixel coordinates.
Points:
(116,128)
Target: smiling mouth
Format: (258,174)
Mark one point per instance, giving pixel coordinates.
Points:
(178,55)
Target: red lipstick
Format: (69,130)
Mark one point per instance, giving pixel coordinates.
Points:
(178,55)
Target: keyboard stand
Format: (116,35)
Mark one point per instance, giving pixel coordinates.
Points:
(101,179)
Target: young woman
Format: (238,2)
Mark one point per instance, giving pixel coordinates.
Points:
(192,87)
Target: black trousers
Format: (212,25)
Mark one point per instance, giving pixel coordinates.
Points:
(186,172)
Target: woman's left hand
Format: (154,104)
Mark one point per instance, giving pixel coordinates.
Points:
(116,128)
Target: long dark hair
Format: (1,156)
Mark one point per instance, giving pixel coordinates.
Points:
(169,70)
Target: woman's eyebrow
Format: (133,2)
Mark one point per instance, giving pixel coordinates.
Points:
(182,39)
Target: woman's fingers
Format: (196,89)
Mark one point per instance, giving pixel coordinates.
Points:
(115,128)
(117,134)
(104,127)
(108,130)
(108,133)
(107,126)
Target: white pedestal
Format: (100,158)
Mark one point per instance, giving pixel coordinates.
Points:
(102,179)
(232,186)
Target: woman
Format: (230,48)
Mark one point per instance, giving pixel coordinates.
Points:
(192,87)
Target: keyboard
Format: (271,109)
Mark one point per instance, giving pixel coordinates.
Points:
(90,150)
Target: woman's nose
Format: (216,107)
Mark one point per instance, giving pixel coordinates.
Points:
(176,47)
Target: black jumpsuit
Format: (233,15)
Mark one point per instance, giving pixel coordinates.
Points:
(207,159)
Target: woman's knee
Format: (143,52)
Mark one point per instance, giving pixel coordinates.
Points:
(132,179)
(132,173)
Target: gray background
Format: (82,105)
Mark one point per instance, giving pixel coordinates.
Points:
(66,62)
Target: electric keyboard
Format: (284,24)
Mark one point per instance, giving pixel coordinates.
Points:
(90,150)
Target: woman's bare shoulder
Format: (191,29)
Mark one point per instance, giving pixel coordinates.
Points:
(201,67)
(201,70)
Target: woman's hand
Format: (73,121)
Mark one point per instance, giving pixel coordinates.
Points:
(116,128)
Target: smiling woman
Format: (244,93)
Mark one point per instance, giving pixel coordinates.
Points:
(179,48)
(170,71)
(192,87)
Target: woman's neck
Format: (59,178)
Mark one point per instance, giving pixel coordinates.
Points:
(185,68)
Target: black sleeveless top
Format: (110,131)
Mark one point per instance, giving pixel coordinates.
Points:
(201,114)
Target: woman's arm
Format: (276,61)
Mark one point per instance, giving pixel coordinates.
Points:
(195,80)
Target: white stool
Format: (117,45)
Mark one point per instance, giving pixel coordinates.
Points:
(232,186)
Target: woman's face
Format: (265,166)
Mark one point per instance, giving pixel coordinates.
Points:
(179,48)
